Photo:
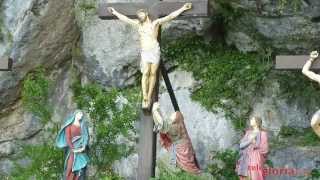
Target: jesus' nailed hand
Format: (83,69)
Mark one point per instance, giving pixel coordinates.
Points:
(150,48)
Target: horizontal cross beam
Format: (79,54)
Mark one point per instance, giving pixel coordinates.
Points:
(6,64)
(294,62)
(200,8)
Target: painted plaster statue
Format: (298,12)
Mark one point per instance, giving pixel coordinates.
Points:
(315,121)
(174,137)
(150,49)
(74,138)
(253,152)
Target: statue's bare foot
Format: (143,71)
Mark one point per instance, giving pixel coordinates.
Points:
(149,103)
(145,104)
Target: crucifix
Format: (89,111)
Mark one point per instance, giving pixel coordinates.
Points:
(306,63)
(6,64)
(148,18)
(297,62)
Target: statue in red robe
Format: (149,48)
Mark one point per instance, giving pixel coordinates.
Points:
(174,137)
(253,152)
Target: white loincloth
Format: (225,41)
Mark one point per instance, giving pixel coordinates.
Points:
(151,56)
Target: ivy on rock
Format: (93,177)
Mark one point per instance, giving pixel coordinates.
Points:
(231,80)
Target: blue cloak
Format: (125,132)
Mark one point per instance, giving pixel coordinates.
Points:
(80,159)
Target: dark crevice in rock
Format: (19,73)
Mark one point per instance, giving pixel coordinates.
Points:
(259,6)
(32,135)
(9,140)
(315,19)
(38,6)
(1,22)
(307,2)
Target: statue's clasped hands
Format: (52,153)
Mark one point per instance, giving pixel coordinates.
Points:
(79,150)
(252,138)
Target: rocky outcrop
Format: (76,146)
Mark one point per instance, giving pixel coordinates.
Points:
(293,162)
(291,27)
(35,35)
(111,47)
(19,127)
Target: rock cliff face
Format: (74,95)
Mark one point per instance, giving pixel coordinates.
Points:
(35,33)
(53,33)
(288,27)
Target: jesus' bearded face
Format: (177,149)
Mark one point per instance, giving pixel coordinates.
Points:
(142,16)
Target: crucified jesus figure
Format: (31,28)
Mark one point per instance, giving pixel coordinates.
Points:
(315,121)
(150,48)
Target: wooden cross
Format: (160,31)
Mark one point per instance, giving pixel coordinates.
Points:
(147,141)
(200,8)
(294,62)
(6,64)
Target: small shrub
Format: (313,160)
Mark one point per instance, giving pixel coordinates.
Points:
(110,119)
(35,94)
(224,165)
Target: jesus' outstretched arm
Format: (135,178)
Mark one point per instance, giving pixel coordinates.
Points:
(174,14)
(306,68)
(123,17)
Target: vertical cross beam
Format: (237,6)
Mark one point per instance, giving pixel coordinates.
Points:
(147,140)
(6,64)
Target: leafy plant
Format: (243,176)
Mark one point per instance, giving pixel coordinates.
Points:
(230,80)
(46,163)
(296,88)
(294,4)
(112,113)
(228,12)
(166,174)
(224,164)
(308,137)
(286,131)
(35,94)
(315,174)
(301,137)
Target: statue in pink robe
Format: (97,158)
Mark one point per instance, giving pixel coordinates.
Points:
(253,152)
(174,137)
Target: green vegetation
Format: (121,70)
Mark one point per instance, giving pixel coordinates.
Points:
(46,163)
(111,118)
(230,79)
(284,4)
(87,6)
(35,94)
(300,137)
(296,88)
(165,173)
(287,131)
(84,9)
(113,113)
(224,164)
(228,12)
(315,174)
(181,175)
